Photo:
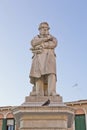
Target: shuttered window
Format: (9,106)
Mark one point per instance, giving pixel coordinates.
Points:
(80,123)
(8,124)
(4,124)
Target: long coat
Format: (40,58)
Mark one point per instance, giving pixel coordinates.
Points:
(43,63)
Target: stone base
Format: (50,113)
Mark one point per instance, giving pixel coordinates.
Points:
(32,115)
(40,100)
(43,118)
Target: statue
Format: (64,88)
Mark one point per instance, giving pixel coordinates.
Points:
(43,68)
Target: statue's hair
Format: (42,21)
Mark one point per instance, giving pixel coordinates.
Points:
(42,24)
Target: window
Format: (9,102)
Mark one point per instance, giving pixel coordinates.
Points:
(10,124)
(10,127)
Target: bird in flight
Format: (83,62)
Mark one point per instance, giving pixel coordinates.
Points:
(75,85)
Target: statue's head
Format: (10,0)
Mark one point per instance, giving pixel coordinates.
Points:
(44,25)
(44,28)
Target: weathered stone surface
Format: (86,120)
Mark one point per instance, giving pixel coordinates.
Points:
(46,124)
(40,100)
(44,117)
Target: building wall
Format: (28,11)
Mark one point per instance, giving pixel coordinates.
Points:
(5,113)
(80,109)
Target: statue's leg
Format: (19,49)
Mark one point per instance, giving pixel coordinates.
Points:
(39,87)
(45,85)
(51,85)
(45,89)
(33,93)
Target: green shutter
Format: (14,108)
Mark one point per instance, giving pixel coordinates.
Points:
(4,125)
(14,124)
(80,122)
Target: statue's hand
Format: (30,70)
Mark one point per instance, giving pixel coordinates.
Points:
(45,39)
(48,39)
(46,45)
(38,47)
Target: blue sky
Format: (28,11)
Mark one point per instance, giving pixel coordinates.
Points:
(19,20)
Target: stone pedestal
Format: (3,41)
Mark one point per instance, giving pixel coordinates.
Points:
(40,100)
(32,115)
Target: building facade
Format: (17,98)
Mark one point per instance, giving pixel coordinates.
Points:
(80,115)
(7,121)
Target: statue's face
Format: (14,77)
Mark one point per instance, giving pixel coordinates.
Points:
(44,29)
